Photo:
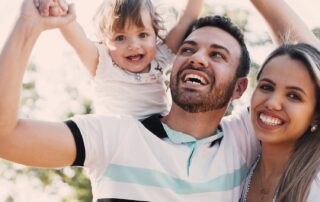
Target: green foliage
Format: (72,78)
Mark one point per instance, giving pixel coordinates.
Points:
(29,94)
(74,177)
(254,68)
(10,199)
(316,31)
(78,180)
(238,16)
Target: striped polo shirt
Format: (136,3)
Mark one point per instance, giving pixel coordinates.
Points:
(128,160)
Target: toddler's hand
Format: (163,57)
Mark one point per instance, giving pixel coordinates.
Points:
(57,9)
(52,7)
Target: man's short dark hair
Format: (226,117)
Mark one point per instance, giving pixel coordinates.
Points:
(226,25)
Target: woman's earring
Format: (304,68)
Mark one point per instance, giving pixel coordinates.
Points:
(314,128)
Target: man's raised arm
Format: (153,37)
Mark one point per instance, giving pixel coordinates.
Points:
(190,13)
(285,24)
(28,142)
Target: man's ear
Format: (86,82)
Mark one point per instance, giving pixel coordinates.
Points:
(241,86)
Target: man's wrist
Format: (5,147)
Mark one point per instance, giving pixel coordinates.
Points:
(29,27)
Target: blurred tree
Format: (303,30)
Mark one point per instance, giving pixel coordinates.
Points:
(47,178)
(316,31)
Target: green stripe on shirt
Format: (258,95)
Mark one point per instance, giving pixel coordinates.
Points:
(148,177)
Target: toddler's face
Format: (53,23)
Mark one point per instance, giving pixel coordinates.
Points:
(133,48)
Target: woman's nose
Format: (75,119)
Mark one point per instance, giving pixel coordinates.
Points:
(274,102)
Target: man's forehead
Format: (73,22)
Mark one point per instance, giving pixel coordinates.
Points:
(213,35)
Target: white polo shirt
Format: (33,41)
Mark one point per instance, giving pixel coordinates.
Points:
(138,161)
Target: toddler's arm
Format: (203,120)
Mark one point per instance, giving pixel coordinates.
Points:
(84,47)
(189,15)
(73,33)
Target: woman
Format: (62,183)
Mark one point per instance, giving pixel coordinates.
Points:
(285,112)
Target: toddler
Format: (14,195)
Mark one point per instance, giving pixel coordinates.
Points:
(127,65)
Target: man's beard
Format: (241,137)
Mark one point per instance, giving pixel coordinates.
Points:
(216,98)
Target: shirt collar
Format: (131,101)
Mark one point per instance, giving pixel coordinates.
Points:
(161,130)
(178,137)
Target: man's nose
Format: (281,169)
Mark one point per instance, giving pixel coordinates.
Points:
(199,59)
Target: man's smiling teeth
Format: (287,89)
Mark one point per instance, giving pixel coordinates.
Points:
(268,120)
(195,79)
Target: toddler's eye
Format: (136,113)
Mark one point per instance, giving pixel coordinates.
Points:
(119,38)
(143,35)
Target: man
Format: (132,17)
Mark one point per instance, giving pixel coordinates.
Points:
(189,155)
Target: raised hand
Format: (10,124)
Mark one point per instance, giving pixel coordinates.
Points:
(14,131)
(32,16)
(51,7)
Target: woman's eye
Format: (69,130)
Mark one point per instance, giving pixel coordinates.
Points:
(294,96)
(143,35)
(265,87)
(119,38)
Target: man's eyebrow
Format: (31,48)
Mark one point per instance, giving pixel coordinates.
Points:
(220,47)
(216,46)
(193,43)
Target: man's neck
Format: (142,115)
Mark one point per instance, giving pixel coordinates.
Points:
(198,125)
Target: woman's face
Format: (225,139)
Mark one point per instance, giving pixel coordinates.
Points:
(283,103)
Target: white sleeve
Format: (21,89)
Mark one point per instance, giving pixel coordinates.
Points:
(104,61)
(164,57)
(238,128)
(101,137)
(314,194)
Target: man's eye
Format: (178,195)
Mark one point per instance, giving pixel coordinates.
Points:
(186,50)
(216,55)
(119,38)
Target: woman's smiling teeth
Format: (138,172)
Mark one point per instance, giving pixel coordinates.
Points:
(269,120)
(194,79)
